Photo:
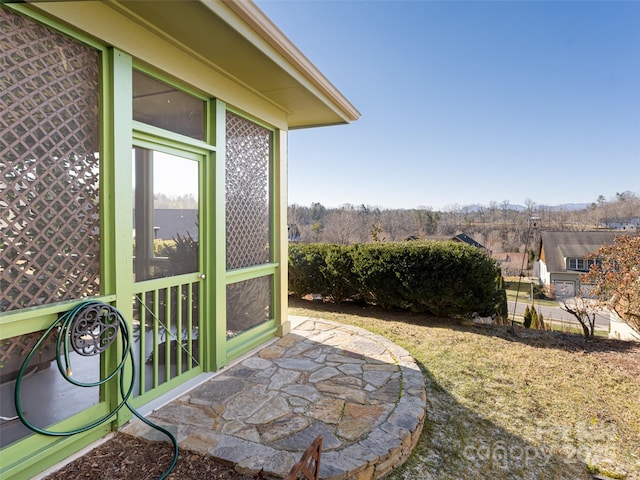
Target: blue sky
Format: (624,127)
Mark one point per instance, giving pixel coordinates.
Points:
(467,102)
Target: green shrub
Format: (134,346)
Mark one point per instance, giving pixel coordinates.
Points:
(305,264)
(377,268)
(182,254)
(337,277)
(538,292)
(443,278)
(501,307)
(449,279)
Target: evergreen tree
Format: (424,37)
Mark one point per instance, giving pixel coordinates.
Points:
(527,317)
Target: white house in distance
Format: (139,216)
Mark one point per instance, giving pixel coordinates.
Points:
(562,259)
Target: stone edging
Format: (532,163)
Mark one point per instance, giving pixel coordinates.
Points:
(391,443)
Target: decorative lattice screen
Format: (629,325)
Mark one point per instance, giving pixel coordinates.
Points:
(49,196)
(248,151)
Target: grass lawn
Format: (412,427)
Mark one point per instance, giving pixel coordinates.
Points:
(521,405)
(523,292)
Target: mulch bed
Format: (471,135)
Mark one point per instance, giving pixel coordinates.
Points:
(127,457)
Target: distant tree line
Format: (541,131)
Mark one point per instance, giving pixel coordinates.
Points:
(180,202)
(500,227)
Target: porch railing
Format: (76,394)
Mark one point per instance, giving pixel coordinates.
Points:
(166,332)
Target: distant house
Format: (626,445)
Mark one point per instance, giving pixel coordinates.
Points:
(562,258)
(464,238)
(511,263)
(626,224)
(293,233)
(460,238)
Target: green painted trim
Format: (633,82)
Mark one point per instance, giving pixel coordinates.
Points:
(275,226)
(34,319)
(168,139)
(43,458)
(274,204)
(209,218)
(107,177)
(281,243)
(122,202)
(207,212)
(120,208)
(251,339)
(39,449)
(255,331)
(146,397)
(108,191)
(248,273)
(164,282)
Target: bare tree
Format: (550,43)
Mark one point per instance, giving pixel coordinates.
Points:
(584,312)
(615,276)
(342,226)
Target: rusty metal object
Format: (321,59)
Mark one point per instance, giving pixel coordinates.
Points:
(308,467)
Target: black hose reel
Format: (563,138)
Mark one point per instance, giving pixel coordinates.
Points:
(89,329)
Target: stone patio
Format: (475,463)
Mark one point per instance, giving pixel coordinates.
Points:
(363,393)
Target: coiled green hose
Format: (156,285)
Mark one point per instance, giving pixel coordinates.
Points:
(65,322)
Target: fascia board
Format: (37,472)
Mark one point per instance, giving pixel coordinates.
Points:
(255,26)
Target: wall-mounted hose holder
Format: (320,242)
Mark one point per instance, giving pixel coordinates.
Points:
(89,329)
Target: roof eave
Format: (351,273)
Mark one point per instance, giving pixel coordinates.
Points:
(249,12)
(250,59)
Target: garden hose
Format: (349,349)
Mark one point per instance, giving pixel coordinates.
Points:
(89,329)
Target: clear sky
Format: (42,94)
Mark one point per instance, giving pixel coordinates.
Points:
(468,102)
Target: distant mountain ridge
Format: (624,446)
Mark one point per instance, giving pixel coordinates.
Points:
(521,208)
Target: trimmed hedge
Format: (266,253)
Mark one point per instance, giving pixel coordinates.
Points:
(444,278)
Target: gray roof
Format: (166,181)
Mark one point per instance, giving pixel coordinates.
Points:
(171,222)
(463,237)
(560,245)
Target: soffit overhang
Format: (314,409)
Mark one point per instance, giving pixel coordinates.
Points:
(238,40)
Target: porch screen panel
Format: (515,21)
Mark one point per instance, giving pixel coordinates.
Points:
(248,180)
(49,165)
(163,106)
(248,304)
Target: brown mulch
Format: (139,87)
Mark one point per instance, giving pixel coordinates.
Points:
(127,457)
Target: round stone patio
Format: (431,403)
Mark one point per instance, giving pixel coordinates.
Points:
(363,393)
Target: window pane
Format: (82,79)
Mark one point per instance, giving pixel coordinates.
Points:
(248,304)
(163,106)
(165,216)
(49,166)
(248,165)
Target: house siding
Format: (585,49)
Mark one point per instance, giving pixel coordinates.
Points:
(555,248)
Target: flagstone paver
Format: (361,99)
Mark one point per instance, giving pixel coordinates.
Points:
(363,393)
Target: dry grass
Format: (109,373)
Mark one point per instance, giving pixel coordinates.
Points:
(503,405)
